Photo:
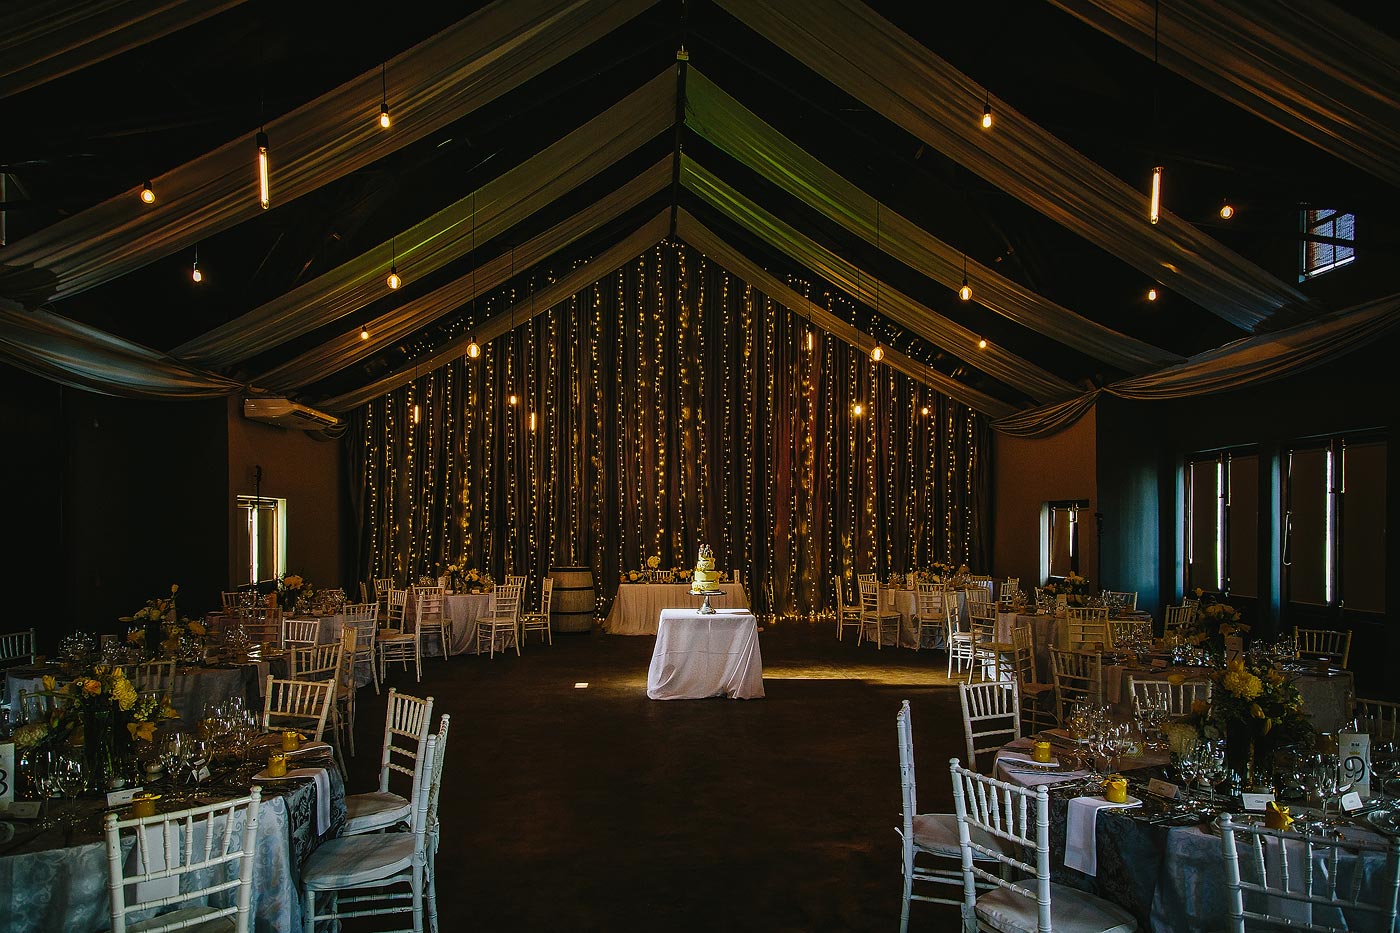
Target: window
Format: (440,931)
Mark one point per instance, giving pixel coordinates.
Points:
(1060,547)
(1328,241)
(1334,524)
(1222,523)
(261,539)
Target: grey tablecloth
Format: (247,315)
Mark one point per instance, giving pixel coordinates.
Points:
(195,688)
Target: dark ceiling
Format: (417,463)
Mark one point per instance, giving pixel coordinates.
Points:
(80,139)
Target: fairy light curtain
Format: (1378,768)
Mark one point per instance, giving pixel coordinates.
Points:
(1322,74)
(865,55)
(438,81)
(672,404)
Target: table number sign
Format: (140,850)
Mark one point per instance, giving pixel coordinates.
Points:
(1354,753)
(7,774)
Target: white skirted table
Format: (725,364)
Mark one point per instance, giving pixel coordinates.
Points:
(698,656)
(635,610)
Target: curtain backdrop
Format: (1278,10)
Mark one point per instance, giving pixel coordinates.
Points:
(673,405)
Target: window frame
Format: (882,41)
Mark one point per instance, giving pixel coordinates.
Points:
(1313,226)
(249,564)
(1224,458)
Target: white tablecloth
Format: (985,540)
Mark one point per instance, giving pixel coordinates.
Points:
(698,656)
(906,603)
(638,605)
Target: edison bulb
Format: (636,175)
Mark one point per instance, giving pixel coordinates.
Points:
(1152,294)
(924,411)
(965,293)
(1227,211)
(394,280)
(987,117)
(473,349)
(384,116)
(513,399)
(878,353)
(148,193)
(982,344)
(364,333)
(196,274)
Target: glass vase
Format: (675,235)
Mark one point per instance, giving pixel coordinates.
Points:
(99,749)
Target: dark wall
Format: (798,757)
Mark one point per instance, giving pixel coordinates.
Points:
(33,463)
(1142,446)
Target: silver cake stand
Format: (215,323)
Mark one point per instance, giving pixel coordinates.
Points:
(705,607)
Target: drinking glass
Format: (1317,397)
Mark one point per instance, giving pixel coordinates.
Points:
(1214,769)
(1385,763)
(1190,765)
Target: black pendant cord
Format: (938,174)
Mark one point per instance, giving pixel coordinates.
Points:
(682,65)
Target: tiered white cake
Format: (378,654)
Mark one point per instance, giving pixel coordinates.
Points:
(706,579)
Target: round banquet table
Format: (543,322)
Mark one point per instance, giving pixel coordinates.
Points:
(1171,878)
(906,603)
(57,881)
(638,606)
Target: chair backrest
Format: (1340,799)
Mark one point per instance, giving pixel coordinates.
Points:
(1126,631)
(1086,625)
(231,599)
(297,704)
(1176,699)
(156,677)
(1324,644)
(506,602)
(991,716)
(1191,603)
(522,582)
(398,606)
(427,604)
(869,596)
(262,624)
(932,604)
(1178,618)
(1019,815)
(302,632)
(983,616)
(979,590)
(1128,600)
(406,720)
(1380,718)
(36,707)
(909,790)
(186,855)
(17,648)
(1006,593)
(1305,873)
(1023,654)
(1078,676)
(345,670)
(840,593)
(354,613)
(546,595)
(366,629)
(863,577)
(316,662)
(435,777)
(382,586)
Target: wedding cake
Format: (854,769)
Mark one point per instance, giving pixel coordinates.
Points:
(706,579)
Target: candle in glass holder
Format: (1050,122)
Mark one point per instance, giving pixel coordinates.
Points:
(1041,751)
(144,805)
(1115,789)
(277,765)
(291,741)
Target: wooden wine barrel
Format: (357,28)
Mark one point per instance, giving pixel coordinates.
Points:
(572,606)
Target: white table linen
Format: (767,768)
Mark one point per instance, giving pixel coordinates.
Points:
(638,605)
(698,656)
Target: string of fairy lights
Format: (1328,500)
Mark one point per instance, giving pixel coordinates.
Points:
(728,419)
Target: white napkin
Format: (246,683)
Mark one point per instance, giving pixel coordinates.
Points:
(155,861)
(1010,754)
(323,795)
(1081,846)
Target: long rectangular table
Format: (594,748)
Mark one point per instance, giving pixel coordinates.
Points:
(698,656)
(638,605)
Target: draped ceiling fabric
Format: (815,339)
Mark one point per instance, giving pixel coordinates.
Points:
(432,84)
(1309,67)
(726,123)
(850,45)
(675,405)
(450,233)
(1246,362)
(83,357)
(41,40)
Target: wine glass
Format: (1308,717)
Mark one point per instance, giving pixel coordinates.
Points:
(1214,769)
(1385,763)
(1190,765)
(71,781)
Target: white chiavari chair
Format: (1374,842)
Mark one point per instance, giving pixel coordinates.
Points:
(1379,718)
(371,869)
(343,698)
(262,624)
(500,624)
(539,621)
(987,649)
(301,633)
(523,582)
(157,677)
(406,723)
(1019,819)
(847,613)
(930,612)
(230,599)
(991,716)
(1177,619)
(364,619)
(960,636)
(882,621)
(1007,592)
(430,617)
(1078,675)
(1128,631)
(397,644)
(1127,599)
(17,648)
(196,855)
(434,824)
(1307,882)
(1320,644)
(1086,627)
(315,662)
(1033,712)
(1176,699)
(303,705)
(382,586)
(934,834)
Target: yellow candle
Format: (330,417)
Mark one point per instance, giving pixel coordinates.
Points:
(291,741)
(277,765)
(1115,789)
(1041,751)
(144,805)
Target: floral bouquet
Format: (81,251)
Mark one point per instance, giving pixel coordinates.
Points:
(1072,586)
(1256,707)
(1214,622)
(290,588)
(145,623)
(468,578)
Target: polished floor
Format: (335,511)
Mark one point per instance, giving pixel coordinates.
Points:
(593,808)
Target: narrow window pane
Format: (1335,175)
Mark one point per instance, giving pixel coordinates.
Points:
(1059,542)
(1204,525)
(1307,577)
(1363,558)
(1243,537)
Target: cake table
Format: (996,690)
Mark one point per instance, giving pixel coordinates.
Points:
(698,656)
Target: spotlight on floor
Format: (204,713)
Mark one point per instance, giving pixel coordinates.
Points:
(581,685)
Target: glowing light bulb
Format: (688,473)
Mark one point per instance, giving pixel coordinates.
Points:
(982,344)
(811,340)
(416,413)
(878,353)
(987,116)
(473,349)
(532,421)
(1152,294)
(384,120)
(513,399)
(1227,211)
(364,333)
(394,280)
(857,409)
(264,186)
(148,193)
(965,293)
(195,273)
(924,411)
(1154,211)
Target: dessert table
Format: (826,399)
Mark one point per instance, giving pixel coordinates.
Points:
(57,880)
(1171,877)
(638,605)
(704,655)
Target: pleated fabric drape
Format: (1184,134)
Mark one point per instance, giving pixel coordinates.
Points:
(672,405)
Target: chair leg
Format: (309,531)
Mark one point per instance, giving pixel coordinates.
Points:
(374,672)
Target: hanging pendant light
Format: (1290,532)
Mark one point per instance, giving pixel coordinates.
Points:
(982,344)
(1154,210)
(473,348)
(1227,210)
(965,292)
(148,194)
(877,353)
(264,185)
(987,111)
(195,274)
(384,120)
(364,332)
(857,409)
(1152,294)
(394,281)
